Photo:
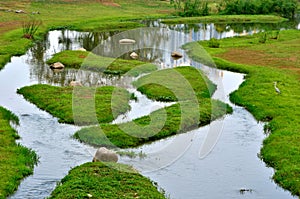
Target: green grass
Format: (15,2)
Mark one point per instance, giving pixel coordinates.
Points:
(273,61)
(226,19)
(110,180)
(16,161)
(80,105)
(159,86)
(89,61)
(194,108)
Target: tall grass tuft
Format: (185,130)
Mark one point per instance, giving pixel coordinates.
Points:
(30,27)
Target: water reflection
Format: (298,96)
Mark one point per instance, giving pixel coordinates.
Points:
(149,50)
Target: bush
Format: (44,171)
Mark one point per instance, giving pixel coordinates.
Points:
(213,43)
(191,8)
(285,8)
(30,27)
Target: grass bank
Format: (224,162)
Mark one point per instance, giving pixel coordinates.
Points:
(226,19)
(89,61)
(110,180)
(193,108)
(16,161)
(82,103)
(275,60)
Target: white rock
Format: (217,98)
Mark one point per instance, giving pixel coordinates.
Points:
(81,49)
(134,55)
(105,155)
(75,83)
(126,41)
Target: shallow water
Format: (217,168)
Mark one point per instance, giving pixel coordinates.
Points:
(231,165)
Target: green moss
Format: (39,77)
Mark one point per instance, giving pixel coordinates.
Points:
(79,105)
(16,161)
(89,61)
(110,180)
(257,94)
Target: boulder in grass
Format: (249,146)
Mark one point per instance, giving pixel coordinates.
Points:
(105,155)
(127,41)
(75,83)
(81,49)
(57,65)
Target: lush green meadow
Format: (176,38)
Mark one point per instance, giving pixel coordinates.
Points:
(275,60)
(105,180)
(16,161)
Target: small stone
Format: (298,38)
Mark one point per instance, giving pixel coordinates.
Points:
(89,195)
(57,65)
(81,49)
(75,83)
(134,55)
(126,41)
(176,54)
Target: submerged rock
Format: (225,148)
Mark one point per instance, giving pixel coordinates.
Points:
(57,65)
(126,41)
(105,155)
(176,54)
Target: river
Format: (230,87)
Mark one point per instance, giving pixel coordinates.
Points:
(227,169)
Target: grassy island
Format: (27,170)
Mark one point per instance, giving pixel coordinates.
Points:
(88,61)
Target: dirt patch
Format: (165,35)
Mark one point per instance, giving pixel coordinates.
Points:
(109,3)
(260,58)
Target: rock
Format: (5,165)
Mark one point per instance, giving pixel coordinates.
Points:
(81,49)
(57,65)
(75,83)
(105,155)
(134,55)
(176,54)
(19,11)
(126,41)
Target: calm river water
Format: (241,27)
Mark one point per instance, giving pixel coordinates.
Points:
(230,166)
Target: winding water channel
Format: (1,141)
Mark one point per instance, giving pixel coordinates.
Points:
(232,165)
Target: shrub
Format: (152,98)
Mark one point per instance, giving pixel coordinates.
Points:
(191,8)
(30,27)
(285,8)
(213,43)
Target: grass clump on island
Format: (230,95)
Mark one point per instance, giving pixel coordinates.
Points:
(276,60)
(105,180)
(16,161)
(89,61)
(193,110)
(62,102)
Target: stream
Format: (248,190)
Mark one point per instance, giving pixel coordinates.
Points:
(230,167)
